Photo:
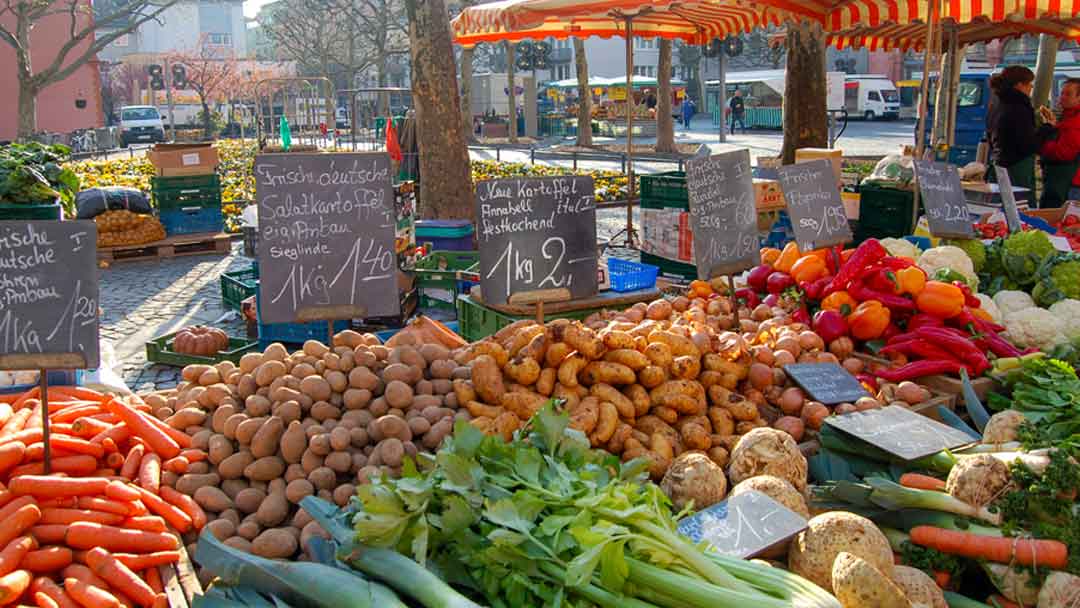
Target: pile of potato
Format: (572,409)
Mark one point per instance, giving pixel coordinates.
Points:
(281,426)
(122,227)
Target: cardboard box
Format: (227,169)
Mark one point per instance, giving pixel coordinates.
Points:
(803,155)
(767,195)
(171,160)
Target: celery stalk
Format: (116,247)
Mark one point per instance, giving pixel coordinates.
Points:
(697,593)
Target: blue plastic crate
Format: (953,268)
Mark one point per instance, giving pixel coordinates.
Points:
(445,235)
(631,276)
(191,220)
(295,333)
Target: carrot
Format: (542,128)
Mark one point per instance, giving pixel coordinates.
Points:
(88,427)
(50,534)
(60,502)
(13,584)
(149,523)
(193,454)
(44,585)
(150,472)
(16,423)
(89,596)
(9,509)
(120,577)
(76,444)
(83,573)
(74,412)
(5,495)
(121,491)
(80,464)
(917,481)
(23,398)
(141,426)
(84,535)
(178,465)
(47,559)
(153,578)
(51,486)
(186,504)
(5,413)
(132,462)
(35,452)
(25,436)
(13,553)
(43,601)
(11,454)
(110,446)
(176,517)
(119,433)
(123,509)
(1050,553)
(114,460)
(19,522)
(180,437)
(942,578)
(34,421)
(79,392)
(148,561)
(70,516)
(106,417)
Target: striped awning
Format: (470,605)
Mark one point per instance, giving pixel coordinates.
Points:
(912,36)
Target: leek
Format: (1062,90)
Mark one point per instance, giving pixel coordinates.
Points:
(955,600)
(989,448)
(894,496)
(896,538)
(697,593)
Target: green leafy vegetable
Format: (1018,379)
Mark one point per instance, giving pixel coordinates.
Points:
(32,174)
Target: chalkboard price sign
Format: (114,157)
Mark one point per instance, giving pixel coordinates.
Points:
(826,382)
(814,204)
(943,198)
(537,235)
(900,431)
(326,237)
(723,218)
(743,526)
(48,295)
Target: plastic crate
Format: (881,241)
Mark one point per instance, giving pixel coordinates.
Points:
(192,220)
(664,189)
(631,276)
(238,286)
(297,333)
(679,272)
(476,321)
(445,235)
(883,212)
(183,182)
(437,274)
(31,212)
(251,240)
(159,350)
(56,377)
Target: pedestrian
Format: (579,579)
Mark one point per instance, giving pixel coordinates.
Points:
(737,109)
(1010,125)
(1061,154)
(687,112)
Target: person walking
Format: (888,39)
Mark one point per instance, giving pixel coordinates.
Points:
(688,109)
(1061,154)
(737,109)
(1010,125)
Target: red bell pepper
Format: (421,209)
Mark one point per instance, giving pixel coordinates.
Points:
(918,369)
(815,289)
(748,296)
(867,253)
(758,277)
(778,282)
(883,280)
(893,263)
(969,298)
(830,325)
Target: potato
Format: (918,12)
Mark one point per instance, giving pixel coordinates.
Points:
(555,354)
(392,426)
(606,372)
(398,394)
(622,403)
(570,368)
(639,398)
(249,499)
(439,431)
(695,437)
(186,417)
(273,510)
(265,469)
(340,462)
(617,340)
(233,466)
(266,439)
(487,347)
(221,528)
(585,415)
(659,354)
(323,478)
(434,352)
(487,379)
(191,482)
(293,442)
(275,543)
(686,367)
(606,424)
(268,372)
(408,356)
(523,404)
(659,310)
(212,499)
(522,370)
(342,494)
(723,423)
(652,376)
(391,451)
(580,338)
(858,584)
(740,407)
(629,357)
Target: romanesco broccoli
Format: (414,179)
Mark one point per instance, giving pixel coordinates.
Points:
(1059,279)
(1023,252)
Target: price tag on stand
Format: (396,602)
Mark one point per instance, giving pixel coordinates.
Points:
(326,237)
(943,198)
(900,431)
(814,204)
(48,301)
(1008,200)
(537,239)
(827,383)
(743,526)
(723,219)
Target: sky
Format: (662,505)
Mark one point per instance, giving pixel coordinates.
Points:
(251,7)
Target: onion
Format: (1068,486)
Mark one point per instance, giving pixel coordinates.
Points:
(807,357)
(808,340)
(814,414)
(867,403)
(792,426)
(827,358)
(760,376)
(755,396)
(792,400)
(853,365)
(747,326)
(789,344)
(762,354)
(773,393)
(782,358)
(761,312)
(844,408)
(842,347)
(911,392)
(681,303)
(779,378)
(702,341)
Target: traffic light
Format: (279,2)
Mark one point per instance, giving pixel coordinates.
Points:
(157,83)
(179,76)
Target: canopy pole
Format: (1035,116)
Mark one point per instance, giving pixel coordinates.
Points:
(631,234)
(924,93)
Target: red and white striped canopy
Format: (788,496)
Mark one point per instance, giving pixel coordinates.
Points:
(912,36)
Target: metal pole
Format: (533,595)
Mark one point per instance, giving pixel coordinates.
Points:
(920,142)
(721,96)
(168,97)
(630,130)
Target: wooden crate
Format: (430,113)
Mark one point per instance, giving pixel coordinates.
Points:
(173,246)
(180,582)
(929,408)
(954,386)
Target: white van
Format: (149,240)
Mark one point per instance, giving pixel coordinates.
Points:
(870,97)
(140,124)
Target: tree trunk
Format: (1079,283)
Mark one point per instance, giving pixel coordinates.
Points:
(1044,69)
(207,123)
(446,189)
(28,89)
(511,92)
(584,114)
(699,72)
(466,90)
(665,126)
(27,110)
(805,117)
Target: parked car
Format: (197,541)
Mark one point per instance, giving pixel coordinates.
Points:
(140,124)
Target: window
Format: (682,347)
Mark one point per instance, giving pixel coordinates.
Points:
(219,39)
(139,114)
(873,96)
(890,95)
(969,94)
(644,43)
(562,72)
(122,41)
(562,44)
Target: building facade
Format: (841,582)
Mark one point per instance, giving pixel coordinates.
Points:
(182,27)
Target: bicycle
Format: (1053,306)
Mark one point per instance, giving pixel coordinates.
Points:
(83,140)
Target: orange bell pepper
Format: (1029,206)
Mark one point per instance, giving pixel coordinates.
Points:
(769,255)
(787,258)
(840,301)
(911,280)
(940,299)
(809,268)
(700,289)
(979,313)
(869,320)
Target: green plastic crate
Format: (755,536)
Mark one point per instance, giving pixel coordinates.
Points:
(439,270)
(171,193)
(183,182)
(159,350)
(476,321)
(883,212)
(30,212)
(671,270)
(238,286)
(665,189)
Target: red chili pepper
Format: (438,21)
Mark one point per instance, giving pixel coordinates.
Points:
(919,348)
(862,293)
(867,253)
(985,325)
(883,280)
(815,289)
(917,369)
(955,342)
(893,263)
(868,381)
(924,320)
(969,298)
(998,345)
(749,296)
(964,321)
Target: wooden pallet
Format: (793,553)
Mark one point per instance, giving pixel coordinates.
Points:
(180,582)
(173,246)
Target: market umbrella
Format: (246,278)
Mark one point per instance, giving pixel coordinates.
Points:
(694,21)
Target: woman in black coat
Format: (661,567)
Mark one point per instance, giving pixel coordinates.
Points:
(1010,124)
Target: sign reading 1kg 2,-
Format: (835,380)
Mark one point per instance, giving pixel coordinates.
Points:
(326,237)
(536,235)
(48,295)
(814,203)
(723,220)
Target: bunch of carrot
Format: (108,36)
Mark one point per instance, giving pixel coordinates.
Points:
(94,531)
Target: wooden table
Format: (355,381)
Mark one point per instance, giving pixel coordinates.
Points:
(180,581)
(605,299)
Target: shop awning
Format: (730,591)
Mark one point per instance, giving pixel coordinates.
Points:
(912,36)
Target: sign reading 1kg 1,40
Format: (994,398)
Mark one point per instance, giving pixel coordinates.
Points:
(536,234)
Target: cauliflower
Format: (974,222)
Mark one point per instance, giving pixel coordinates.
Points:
(987,303)
(974,248)
(949,257)
(1059,279)
(1033,327)
(901,248)
(1068,311)
(1023,252)
(1009,301)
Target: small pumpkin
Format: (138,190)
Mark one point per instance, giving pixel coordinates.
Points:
(200,340)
